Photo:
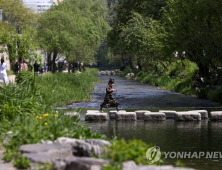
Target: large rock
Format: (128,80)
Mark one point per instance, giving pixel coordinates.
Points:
(154,116)
(169,113)
(88,148)
(109,72)
(38,158)
(126,116)
(53,150)
(112,113)
(216,116)
(92,116)
(187,116)
(103,72)
(79,163)
(147,167)
(203,113)
(7,166)
(74,115)
(140,114)
(113,73)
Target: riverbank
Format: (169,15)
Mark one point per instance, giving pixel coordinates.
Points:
(62,89)
(180,77)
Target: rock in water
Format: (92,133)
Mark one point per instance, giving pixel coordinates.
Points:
(216,116)
(126,116)
(187,116)
(154,116)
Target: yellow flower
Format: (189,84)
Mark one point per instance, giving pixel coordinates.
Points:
(56,115)
(46,114)
(45,123)
(36,117)
(40,117)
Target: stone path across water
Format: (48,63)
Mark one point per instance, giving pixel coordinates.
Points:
(135,95)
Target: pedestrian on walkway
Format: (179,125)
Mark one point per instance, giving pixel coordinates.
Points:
(109,100)
(45,67)
(24,66)
(3,73)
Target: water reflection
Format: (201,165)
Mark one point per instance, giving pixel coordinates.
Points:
(196,136)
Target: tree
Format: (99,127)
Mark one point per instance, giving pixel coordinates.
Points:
(73,28)
(195,27)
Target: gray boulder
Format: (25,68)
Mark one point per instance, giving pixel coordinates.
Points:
(154,116)
(187,116)
(96,116)
(79,163)
(74,115)
(216,116)
(140,114)
(204,113)
(126,116)
(53,150)
(112,113)
(169,113)
(156,168)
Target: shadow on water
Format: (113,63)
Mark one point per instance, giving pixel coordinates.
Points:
(170,136)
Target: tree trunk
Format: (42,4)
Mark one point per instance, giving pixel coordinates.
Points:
(55,53)
(73,67)
(69,67)
(131,63)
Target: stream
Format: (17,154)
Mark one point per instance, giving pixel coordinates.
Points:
(204,136)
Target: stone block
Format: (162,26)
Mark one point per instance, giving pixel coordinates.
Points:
(96,116)
(74,115)
(216,116)
(203,113)
(140,114)
(187,116)
(169,113)
(126,116)
(112,113)
(154,116)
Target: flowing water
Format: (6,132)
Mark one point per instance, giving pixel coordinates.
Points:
(170,136)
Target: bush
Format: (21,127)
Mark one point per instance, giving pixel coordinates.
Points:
(121,151)
(24,77)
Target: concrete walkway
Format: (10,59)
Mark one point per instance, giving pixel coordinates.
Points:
(11,78)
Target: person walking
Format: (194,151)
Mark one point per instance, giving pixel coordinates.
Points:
(3,73)
(109,100)
(24,66)
(45,67)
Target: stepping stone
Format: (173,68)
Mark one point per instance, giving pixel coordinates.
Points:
(140,114)
(169,113)
(153,116)
(187,116)
(112,113)
(74,115)
(216,116)
(126,116)
(92,111)
(204,113)
(96,116)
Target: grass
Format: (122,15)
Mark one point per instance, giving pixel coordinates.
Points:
(176,78)
(66,88)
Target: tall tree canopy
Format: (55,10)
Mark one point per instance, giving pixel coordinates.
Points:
(73,28)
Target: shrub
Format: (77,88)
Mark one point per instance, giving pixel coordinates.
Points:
(122,150)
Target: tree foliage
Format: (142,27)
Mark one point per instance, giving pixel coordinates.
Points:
(73,28)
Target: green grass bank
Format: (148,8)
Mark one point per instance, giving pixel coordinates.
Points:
(178,76)
(62,89)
